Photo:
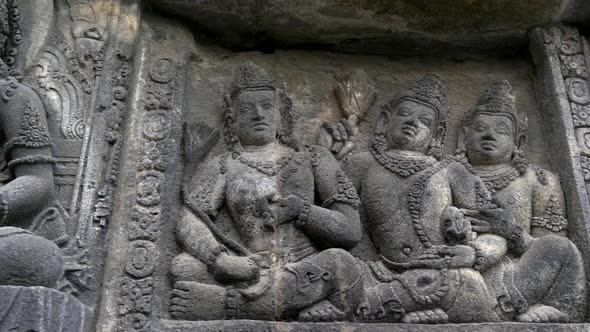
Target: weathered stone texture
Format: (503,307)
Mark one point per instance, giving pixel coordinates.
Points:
(377,26)
(294,165)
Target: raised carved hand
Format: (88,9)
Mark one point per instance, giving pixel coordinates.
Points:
(337,137)
(457,228)
(498,221)
(356,95)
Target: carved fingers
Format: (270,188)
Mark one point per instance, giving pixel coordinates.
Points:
(290,208)
(337,137)
(496,220)
(457,228)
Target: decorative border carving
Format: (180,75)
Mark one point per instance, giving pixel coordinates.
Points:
(136,290)
(568,45)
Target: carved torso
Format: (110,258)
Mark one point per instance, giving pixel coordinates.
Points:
(249,193)
(250,198)
(404,214)
(534,198)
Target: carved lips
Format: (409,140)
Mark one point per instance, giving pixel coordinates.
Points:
(260,126)
(488,145)
(410,130)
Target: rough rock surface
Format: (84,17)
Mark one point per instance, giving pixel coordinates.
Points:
(376,26)
(41,309)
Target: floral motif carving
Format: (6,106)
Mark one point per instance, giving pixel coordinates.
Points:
(143,228)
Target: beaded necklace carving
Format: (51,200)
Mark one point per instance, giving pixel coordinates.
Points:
(400,165)
(498,180)
(267,168)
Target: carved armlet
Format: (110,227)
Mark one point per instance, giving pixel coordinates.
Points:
(33,159)
(3,209)
(552,218)
(479,257)
(32,133)
(345,192)
(304,215)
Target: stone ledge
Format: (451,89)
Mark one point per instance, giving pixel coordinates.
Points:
(41,309)
(260,326)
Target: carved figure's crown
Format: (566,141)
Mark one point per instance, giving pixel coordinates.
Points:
(429,90)
(499,99)
(250,76)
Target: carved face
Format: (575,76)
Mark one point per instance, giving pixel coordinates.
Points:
(489,139)
(410,126)
(257,117)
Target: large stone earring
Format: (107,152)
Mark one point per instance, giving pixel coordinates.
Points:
(380,141)
(436,149)
(520,161)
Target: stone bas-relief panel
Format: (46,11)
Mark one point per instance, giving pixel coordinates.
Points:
(64,85)
(298,190)
(271,230)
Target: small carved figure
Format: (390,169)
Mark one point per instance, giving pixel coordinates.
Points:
(546,280)
(32,226)
(264,223)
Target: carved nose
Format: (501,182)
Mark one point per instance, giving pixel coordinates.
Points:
(257,114)
(413,121)
(488,137)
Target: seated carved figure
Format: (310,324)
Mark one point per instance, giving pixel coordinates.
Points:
(32,226)
(427,254)
(544,281)
(263,224)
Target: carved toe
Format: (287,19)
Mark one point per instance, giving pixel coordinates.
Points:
(540,313)
(324,311)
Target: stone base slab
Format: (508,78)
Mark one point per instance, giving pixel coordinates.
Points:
(41,309)
(260,326)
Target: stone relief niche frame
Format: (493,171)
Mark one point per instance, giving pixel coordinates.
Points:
(83,76)
(178,79)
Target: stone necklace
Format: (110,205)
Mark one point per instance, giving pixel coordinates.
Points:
(498,180)
(267,167)
(400,165)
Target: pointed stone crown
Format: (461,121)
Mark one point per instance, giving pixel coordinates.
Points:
(250,76)
(499,99)
(429,90)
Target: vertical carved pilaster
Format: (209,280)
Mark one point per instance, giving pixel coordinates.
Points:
(140,207)
(562,82)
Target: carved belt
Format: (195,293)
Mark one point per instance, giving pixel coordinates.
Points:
(266,259)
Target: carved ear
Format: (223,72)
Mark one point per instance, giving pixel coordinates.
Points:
(461,140)
(439,137)
(521,143)
(382,123)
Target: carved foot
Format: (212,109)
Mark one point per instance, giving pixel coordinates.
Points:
(434,316)
(323,311)
(540,313)
(197,301)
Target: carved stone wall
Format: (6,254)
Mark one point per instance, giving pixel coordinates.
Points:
(153,179)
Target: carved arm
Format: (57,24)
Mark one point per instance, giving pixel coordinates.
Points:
(335,219)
